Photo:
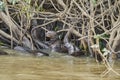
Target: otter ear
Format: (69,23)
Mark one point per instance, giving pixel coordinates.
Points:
(51,34)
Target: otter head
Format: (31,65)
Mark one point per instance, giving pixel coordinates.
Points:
(51,35)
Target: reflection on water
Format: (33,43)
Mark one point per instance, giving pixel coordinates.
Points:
(46,68)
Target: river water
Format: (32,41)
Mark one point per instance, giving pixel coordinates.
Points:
(54,68)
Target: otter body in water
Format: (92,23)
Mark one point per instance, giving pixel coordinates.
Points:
(33,52)
(3,52)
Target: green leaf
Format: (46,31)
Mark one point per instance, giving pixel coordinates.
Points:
(97,36)
(56,28)
(13,2)
(106,52)
(1,43)
(28,1)
(105,35)
(2,6)
(94,2)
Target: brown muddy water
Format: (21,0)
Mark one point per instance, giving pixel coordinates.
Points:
(50,68)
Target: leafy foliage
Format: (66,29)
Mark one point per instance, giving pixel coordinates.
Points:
(94,1)
(99,36)
(106,52)
(13,2)
(27,1)
(2,6)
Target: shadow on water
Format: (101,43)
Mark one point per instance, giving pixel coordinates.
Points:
(49,68)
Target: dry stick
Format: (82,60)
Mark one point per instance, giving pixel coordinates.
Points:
(85,42)
(107,10)
(8,22)
(102,15)
(54,6)
(7,12)
(71,5)
(100,52)
(109,68)
(63,30)
(73,30)
(44,24)
(87,15)
(15,29)
(106,31)
(111,30)
(109,5)
(41,5)
(61,3)
(116,39)
(91,30)
(8,36)
(84,7)
(114,31)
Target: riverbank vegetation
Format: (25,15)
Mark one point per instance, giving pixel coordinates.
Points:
(75,27)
